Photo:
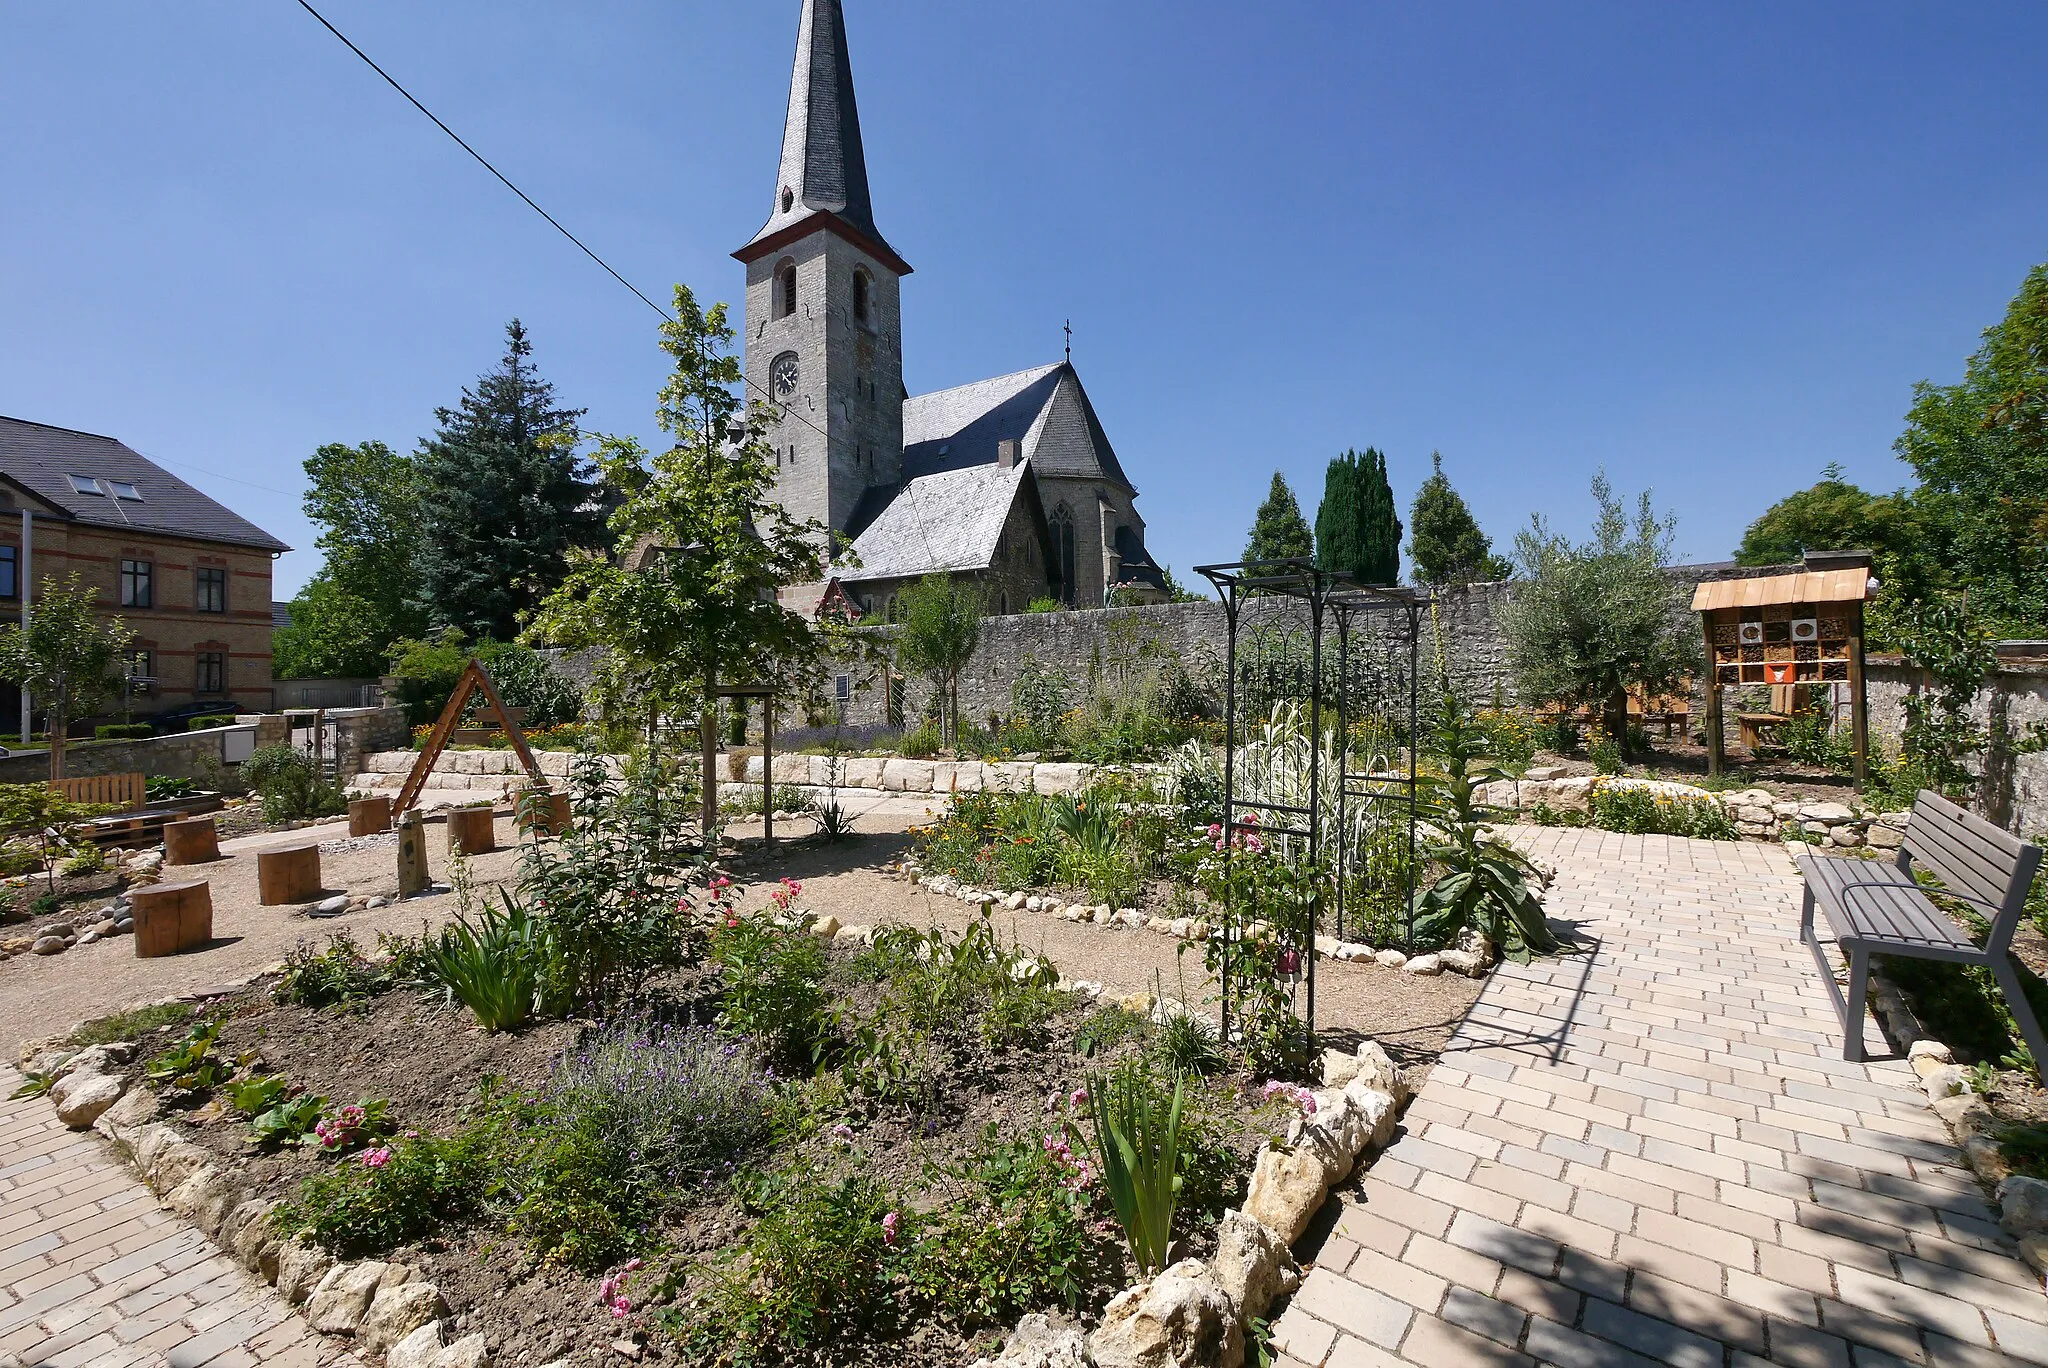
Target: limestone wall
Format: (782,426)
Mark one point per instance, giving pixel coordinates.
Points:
(2014,791)
(182,755)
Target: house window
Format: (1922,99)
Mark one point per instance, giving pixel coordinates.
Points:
(842,689)
(785,289)
(141,671)
(138,584)
(10,572)
(213,589)
(212,675)
(860,296)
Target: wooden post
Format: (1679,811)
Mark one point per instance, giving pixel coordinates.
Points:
(472,831)
(170,917)
(290,874)
(1859,716)
(369,816)
(1714,761)
(413,875)
(192,841)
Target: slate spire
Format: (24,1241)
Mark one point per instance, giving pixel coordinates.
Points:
(824,169)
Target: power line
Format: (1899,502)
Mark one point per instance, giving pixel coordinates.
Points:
(506,181)
(503,179)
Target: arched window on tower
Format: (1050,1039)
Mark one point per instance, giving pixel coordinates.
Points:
(785,289)
(1062,526)
(861,288)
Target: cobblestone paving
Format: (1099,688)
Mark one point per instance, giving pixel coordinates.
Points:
(93,1273)
(1656,1154)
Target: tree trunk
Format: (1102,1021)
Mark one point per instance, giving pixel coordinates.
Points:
(56,723)
(707,738)
(953,703)
(1614,718)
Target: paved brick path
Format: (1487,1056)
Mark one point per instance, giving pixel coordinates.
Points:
(1657,1154)
(93,1272)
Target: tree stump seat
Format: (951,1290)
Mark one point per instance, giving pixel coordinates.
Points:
(193,841)
(472,830)
(288,874)
(369,816)
(171,917)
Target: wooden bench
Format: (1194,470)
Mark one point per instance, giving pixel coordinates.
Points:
(1876,907)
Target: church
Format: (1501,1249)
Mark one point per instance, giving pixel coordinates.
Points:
(1011,482)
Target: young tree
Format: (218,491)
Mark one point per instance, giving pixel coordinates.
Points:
(1831,515)
(941,627)
(68,659)
(1593,619)
(1279,532)
(505,500)
(689,598)
(1357,531)
(1448,547)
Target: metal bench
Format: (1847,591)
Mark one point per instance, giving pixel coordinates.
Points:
(1878,908)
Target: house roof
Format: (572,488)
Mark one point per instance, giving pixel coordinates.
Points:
(951,520)
(43,459)
(1045,409)
(824,168)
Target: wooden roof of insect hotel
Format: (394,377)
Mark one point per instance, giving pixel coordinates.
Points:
(1802,586)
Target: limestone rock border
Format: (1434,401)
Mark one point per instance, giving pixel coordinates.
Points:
(1197,1312)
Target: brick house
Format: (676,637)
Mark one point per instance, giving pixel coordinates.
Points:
(190,576)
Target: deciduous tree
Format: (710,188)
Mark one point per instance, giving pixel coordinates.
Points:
(941,627)
(688,599)
(68,657)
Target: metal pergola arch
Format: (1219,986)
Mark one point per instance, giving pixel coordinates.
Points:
(1345,602)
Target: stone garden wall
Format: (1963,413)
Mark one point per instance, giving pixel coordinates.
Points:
(2015,788)
(183,755)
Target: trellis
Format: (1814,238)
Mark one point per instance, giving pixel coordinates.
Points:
(1377,634)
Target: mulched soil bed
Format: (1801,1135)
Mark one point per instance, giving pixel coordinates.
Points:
(427,1059)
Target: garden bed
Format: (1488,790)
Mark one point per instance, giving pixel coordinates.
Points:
(909,1197)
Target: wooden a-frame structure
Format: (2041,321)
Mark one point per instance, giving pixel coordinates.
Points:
(474,677)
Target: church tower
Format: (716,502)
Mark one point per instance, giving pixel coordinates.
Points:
(824,331)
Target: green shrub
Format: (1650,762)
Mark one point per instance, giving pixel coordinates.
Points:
(338,975)
(1810,739)
(290,785)
(122,731)
(1105,1028)
(1634,809)
(159,787)
(214,720)
(1561,736)
(774,987)
(827,1264)
(922,742)
(1605,753)
(83,860)
(1187,1044)
(357,1208)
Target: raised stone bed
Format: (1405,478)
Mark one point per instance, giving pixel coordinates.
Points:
(1757,813)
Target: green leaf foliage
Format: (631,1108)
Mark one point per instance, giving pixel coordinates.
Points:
(1830,515)
(941,618)
(1137,1142)
(1357,531)
(1279,532)
(68,657)
(1446,544)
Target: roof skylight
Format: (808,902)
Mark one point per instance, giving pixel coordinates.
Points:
(85,484)
(92,484)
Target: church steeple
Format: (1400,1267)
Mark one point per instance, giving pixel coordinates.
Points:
(824,170)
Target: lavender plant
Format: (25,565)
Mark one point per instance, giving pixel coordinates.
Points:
(639,1115)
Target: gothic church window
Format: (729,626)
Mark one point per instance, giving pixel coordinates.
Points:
(860,296)
(1063,551)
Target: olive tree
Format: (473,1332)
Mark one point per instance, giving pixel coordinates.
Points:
(1590,620)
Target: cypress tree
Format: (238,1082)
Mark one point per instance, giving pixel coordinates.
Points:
(504,499)
(1357,531)
(1448,547)
(1279,532)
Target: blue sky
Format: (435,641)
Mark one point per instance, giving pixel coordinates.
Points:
(1708,247)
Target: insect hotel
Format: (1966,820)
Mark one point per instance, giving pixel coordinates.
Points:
(1800,635)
